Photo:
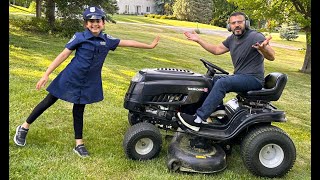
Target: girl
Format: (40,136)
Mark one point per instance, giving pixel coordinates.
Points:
(80,82)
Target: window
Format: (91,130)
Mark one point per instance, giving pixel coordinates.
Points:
(126,9)
(148,9)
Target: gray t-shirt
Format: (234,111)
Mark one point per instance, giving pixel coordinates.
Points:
(245,58)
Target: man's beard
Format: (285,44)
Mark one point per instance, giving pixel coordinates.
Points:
(238,35)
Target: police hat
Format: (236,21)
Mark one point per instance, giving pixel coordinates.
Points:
(93,13)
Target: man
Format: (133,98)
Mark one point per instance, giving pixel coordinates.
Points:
(248,48)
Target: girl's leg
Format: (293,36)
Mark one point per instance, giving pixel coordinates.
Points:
(22,130)
(39,109)
(77,111)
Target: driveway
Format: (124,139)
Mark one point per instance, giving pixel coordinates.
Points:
(224,33)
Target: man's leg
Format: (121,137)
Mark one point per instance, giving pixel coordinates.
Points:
(233,83)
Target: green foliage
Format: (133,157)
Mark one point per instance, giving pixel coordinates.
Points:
(62,27)
(74,8)
(180,9)
(193,10)
(218,22)
(164,7)
(286,11)
(221,11)
(67,27)
(197,31)
(23,3)
(289,32)
(158,16)
(33,24)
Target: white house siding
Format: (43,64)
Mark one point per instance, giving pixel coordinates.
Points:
(136,6)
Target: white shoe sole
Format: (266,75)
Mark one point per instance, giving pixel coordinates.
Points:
(195,128)
(79,154)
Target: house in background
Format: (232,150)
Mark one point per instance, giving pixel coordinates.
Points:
(136,6)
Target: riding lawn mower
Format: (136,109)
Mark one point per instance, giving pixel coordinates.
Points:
(156,95)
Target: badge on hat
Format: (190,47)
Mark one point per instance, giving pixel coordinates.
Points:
(92,9)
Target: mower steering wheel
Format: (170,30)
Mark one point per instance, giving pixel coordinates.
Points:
(213,68)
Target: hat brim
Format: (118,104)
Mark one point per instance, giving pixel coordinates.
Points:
(94,17)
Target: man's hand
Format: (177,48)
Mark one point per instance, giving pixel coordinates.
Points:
(263,44)
(192,36)
(265,49)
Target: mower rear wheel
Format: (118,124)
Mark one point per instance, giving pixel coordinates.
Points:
(268,151)
(142,141)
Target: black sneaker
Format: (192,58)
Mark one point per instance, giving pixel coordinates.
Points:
(81,150)
(189,121)
(20,136)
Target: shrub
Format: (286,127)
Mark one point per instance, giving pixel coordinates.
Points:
(62,27)
(151,15)
(197,31)
(68,26)
(289,32)
(158,16)
(218,22)
(33,24)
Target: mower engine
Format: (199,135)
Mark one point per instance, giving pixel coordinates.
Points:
(155,95)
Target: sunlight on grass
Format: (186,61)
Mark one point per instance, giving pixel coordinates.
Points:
(179,40)
(128,72)
(163,60)
(171,22)
(25,73)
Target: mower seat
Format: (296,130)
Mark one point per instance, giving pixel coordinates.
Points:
(272,90)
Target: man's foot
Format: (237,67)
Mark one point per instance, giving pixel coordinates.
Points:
(191,121)
(81,150)
(20,136)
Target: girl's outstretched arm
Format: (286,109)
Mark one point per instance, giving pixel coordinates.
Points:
(55,63)
(136,44)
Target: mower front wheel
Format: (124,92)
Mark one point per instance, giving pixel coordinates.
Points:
(142,141)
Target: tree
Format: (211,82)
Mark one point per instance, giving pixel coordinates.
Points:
(285,11)
(72,9)
(221,12)
(193,10)
(164,6)
(38,8)
(181,10)
(201,11)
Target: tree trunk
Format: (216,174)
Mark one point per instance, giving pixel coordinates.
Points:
(38,8)
(50,13)
(306,68)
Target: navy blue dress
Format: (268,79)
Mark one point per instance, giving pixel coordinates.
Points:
(80,82)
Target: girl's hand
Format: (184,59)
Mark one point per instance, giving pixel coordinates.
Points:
(42,82)
(155,42)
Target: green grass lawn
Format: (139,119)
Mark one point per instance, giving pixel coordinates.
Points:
(48,153)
